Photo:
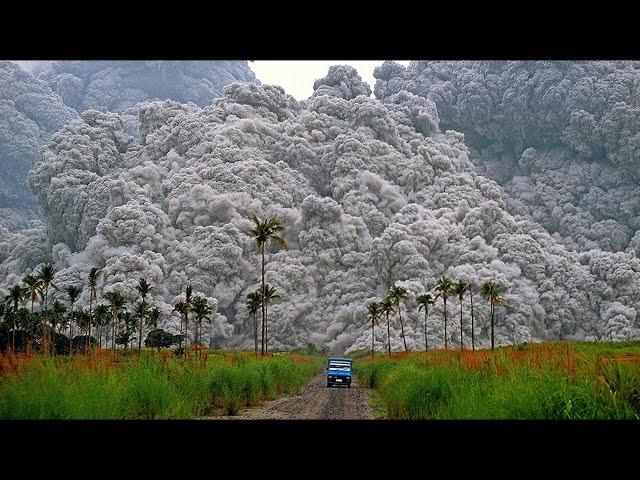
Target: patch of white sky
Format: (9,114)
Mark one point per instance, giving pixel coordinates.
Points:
(297,76)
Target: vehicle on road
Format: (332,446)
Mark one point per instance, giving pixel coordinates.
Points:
(339,372)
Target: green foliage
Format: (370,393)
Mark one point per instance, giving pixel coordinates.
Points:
(158,338)
(548,381)
(149,387)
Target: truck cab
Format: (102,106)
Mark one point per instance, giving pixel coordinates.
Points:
(339,372)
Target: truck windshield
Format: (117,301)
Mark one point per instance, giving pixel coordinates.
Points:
(344,366)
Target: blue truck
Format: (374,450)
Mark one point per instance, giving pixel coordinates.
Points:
(339,372)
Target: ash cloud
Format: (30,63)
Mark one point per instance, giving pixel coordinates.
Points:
(371,192)
(560,137)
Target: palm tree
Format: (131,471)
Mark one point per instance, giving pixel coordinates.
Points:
(459,289)
(491,292)
(59,318)
(16,295)
(473,342)
(33,287)
(424,301)
(179,308)
(116,302)
(202,311)
(270,294)
(153,317)
(444,287)
(46,275)
(94,274)
(143,289)
(398,294)
(266,231)
(73,293)
(83,320)
(253,303)
(373,313)
(101,320)
(386,307)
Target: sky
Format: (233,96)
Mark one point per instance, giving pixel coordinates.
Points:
(297,76)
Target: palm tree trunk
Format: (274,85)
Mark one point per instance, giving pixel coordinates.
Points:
(71,332)
(88,340)
(388,334)
(13,334)
(492,341)
(445,323)
(266,330)
(186,333)
(473,342)
(264,316)
(255,331)
(140,328)
(426,341)
(461,343)
(404,340)
(373,333)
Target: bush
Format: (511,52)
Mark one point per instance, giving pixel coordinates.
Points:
(158,338)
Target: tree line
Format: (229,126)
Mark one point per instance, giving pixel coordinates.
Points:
(121,322)
(444,288)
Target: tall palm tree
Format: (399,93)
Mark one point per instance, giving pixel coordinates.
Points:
(253,303)
(373,314)
(491,292)
(73,293)
(46,274)
(179,308)
(398,294)
(15,296)
(459,289)
(143,289)
(424,302)
(94,274)
(444,288)
(101,320)
(386,307)
(265,231)
(33,287)
(270,294)
(116,302)
(202,311)
(473,341)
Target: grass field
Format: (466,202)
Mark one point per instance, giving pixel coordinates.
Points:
(105,386)
(574,380)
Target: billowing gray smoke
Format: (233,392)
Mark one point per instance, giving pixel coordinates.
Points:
(560,137)
(32,108)
(370,193)
(118,86)
(29,113)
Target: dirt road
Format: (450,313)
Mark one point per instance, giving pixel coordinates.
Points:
(315,402)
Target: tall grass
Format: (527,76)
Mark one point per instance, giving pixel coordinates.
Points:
(153,387)
(539,381)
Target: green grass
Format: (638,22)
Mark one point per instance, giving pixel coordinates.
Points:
(149,388)
(543,381)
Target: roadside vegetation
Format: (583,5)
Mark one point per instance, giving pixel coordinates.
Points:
(150,386)
(576,380)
